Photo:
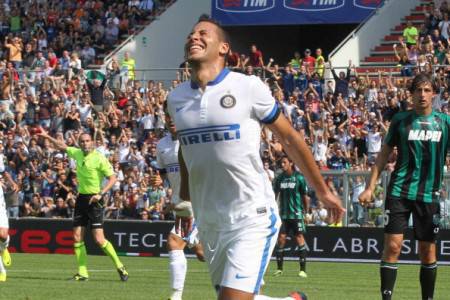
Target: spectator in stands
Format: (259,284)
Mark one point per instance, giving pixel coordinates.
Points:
(129,64)
(410,34)
(342,81)
(309,61)
(255,58)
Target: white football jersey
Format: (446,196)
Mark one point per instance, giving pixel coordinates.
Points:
(219,130)
(167,159)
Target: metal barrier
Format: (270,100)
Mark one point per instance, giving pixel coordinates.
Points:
(347,184)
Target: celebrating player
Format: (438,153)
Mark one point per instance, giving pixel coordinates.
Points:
(421,136)
(92,168)
(167,158)
(5,258)
(290,188)
(218,115)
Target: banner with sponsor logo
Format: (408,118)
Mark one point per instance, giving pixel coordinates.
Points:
(283,12)
(136,238)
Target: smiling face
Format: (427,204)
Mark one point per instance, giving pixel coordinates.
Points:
(206,43)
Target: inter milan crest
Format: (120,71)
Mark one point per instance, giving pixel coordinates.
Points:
(227,101)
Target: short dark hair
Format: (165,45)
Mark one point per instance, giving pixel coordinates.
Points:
(420,79)
(222,32)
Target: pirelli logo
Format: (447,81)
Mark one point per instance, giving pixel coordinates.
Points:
(424,135)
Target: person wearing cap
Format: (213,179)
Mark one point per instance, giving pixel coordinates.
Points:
(92,167)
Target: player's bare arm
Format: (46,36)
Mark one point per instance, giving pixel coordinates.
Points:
(366,197)
(186,222)
(296,148)
(59,144)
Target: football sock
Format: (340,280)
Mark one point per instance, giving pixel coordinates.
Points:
(388,275)
(4,244)
(81,255)
(428,274)
(177,269)
(108,248)
(279,254)
(302,257)
(2,267)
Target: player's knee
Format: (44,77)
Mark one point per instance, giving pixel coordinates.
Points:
(3,234)
(427,253)
(392,249)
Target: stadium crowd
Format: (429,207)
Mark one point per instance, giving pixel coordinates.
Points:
(47,45)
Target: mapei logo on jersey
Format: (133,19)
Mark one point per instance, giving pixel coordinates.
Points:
(313,5)
(287,185)
(368,4)
(244,6)
(424,135)
(210,134)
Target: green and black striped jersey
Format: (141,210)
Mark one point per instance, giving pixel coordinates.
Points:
(422,143)
(291,190)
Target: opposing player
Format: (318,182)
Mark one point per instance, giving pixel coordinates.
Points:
(421,136)
(167,158)
(92,168)
(218,115)
(290,189)
(5,258)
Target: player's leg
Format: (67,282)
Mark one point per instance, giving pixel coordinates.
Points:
(301,254)
(4,236)
(4,243)
(95,214)
(397,212)
(108,249)
(80,221)
(279,251)
(300,229)
(4,259)
(79,249)
(246,253)
(426,228)
(177,265)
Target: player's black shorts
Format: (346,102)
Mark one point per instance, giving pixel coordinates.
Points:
(293,226)
(426,217)
(88,214)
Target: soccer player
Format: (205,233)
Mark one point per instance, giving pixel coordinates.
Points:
(5,258)
(218,115)
(167,159)
(421,136)
(92,168)
(290,189)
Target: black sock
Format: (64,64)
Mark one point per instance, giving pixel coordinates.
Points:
(302,257)
(279,254)
(388,275)
(428,274)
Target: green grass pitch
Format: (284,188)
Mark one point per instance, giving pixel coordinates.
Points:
(44,276)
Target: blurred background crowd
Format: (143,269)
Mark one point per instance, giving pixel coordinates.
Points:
(46,82)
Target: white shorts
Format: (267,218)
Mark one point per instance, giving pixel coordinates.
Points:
(191,239)
(238,259)
(3,215)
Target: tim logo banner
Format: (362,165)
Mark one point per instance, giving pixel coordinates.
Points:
(244,6)
(282,12)
(313,5)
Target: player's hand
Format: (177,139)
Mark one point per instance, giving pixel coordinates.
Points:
(366,197)
(95,199)
(183,226)
(334,207)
